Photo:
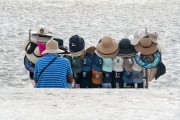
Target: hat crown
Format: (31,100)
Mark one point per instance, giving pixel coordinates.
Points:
(125,44)
(42,30)
(76,43)
(145,42)
(74,39)
(107,41)
(52,45)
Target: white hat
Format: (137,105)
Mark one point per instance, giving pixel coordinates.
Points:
(52,47)
(135,66)
(41,30)
(118,64)
(41,34)
(137,36)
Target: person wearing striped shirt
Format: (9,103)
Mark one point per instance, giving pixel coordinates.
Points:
(58,74)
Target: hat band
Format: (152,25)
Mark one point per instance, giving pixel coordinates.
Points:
(147,46)
(43,35)
(109,53)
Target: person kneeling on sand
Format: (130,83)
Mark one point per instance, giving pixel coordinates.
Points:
(52,71)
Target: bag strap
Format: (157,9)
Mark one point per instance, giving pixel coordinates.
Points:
(46,66)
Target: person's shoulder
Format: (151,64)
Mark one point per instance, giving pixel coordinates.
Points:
(39,60)
(42,59)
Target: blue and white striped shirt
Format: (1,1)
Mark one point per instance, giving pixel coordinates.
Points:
(54,76)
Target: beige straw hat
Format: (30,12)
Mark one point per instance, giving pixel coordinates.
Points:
(107,47)
(52,47)
(147,45)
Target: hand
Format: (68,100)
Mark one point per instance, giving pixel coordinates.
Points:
(73,84)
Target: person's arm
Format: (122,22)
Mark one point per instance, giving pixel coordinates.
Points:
(69,78)
(69,75)
(36,73)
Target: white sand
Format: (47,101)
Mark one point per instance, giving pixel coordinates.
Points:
(91,20)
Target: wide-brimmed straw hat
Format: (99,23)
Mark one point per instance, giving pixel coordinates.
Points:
(76,45)
(52,47)
(107,47)
(41,34)
(147,45)
(125,47)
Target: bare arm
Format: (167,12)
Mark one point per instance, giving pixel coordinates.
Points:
(69,78)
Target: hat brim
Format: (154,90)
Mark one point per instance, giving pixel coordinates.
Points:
(35,33)
(146,51)
(127,55)
(154,40)
(111,55)
(126,51)
(53,51)
(107,51)
(135,41)
(76,54)
(35,38)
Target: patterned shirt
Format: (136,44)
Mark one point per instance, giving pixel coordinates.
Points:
(54,76)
